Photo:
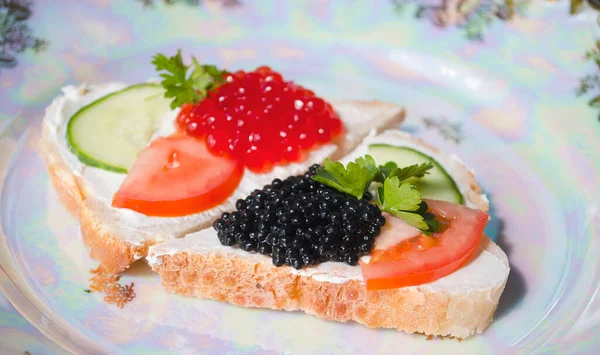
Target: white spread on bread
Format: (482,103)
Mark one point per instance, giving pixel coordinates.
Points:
(483,272)
(100,185)
(472,291)
(394,231)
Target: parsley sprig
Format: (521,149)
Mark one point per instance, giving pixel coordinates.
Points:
(403,200)
(353,179)
(186,83)
(395,192)
(391,169)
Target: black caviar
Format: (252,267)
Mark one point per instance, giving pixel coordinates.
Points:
(301,222)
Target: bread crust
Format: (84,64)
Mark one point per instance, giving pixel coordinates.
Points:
(63,180)
(245,282)
(114,254)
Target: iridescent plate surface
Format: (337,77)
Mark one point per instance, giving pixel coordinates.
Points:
(506,106)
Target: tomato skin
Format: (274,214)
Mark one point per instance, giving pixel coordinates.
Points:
(177,176)
(453,248)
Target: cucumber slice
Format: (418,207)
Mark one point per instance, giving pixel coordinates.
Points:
(110,132)
(437,185)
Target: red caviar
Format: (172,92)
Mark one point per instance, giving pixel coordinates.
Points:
(261,120)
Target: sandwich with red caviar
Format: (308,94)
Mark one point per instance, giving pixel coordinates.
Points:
(146,163)
(391,236)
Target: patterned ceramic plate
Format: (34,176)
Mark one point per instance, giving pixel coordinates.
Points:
(506,105)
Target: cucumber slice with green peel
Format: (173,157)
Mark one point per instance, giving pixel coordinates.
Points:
(111,131)
(437,185)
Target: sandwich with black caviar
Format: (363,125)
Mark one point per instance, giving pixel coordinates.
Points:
(144,163)
(250,189)
(391,237)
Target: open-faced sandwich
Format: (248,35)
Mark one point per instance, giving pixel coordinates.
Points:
(138,168)
(216,179)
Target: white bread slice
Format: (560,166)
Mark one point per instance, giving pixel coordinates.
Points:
(119,237)
(460,304)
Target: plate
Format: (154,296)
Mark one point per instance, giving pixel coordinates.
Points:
(505,106)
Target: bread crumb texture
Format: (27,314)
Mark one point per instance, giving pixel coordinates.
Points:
(247,283)
(115,293)
(114,254)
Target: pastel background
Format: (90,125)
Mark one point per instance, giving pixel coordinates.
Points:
(506,106)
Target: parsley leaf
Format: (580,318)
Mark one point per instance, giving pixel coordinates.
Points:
(404,201)
(186,83)
(380,194)
(432,223)
(351,179)
(394,193)
(385,171)
(206,77)
(391,169)
(398,197)
(408,172)
(414,219)
(368,163)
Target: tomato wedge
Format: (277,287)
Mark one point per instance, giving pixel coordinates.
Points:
(422,259)
(176,176)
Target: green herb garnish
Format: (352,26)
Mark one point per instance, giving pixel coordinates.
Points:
(87,291)
(186,83)
(367,162)
(385,170)
(395,194)
(352,179)
(403,200)
(391,169)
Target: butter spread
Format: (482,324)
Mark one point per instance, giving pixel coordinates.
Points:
(484,271)
(100,185)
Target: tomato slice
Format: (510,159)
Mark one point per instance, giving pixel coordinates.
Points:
(176,176)
(423,259)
